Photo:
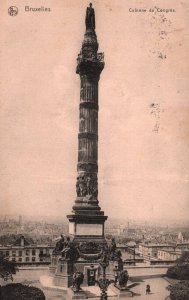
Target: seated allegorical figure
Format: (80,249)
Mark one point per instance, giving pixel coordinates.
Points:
(59,246)
(69,251)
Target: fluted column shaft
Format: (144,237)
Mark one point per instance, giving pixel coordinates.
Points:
(88,126)
(89,66)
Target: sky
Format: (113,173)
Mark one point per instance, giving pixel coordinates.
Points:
(143,115)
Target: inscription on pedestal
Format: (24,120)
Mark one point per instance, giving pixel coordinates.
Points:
(89,229)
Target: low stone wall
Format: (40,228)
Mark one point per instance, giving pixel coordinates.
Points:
(143,277)
(162,262)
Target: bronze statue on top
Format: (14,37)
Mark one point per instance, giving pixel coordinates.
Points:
(90,17)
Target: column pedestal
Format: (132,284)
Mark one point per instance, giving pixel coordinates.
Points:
(64,273)
(122,292)
(87,228)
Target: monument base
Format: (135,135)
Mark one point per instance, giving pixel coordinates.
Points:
(122,292)
(71,295)
(125,294)
(52,269)
(54,263)
(64,273)
(85,226)
(62,280)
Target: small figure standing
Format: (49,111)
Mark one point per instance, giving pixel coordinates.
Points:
(148,291)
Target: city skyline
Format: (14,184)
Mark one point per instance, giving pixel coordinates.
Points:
(143,117)
(126,222)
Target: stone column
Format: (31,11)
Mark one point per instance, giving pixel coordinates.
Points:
(86,209)
(90,64)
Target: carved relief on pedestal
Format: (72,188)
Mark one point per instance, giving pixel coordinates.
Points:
(87,185)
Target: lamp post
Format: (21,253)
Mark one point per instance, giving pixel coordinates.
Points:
(104,282)
(134,254)
(116,272)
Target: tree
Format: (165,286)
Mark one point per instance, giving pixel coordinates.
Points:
(180,291)
(20,292)
(184,259)
(181,269)
(7,268)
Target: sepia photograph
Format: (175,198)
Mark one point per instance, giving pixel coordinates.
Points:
(94,147)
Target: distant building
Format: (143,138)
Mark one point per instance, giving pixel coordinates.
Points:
(131,231)
(183,237)
(157,253)
(168,255)
(114,230)
(167,238)
(22,252)
(150,251)
(183,246)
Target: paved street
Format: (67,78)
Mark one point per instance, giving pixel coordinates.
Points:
(158,287)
